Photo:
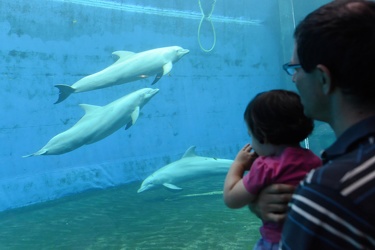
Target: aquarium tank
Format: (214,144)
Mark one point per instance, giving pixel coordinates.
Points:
(102,99)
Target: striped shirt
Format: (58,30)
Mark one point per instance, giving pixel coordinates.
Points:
(334,207)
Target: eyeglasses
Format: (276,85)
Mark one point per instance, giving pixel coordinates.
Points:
(290,69)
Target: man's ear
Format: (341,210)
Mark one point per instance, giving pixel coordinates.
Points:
(324,75)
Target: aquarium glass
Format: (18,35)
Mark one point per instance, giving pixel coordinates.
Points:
(97,95)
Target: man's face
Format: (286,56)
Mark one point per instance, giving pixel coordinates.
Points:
(309,90)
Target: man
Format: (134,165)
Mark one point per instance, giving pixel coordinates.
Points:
(333,67)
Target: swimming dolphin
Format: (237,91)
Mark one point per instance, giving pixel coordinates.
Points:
(189,167)
(129,67)
(99,122)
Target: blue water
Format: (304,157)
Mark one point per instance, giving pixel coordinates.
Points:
(86,198)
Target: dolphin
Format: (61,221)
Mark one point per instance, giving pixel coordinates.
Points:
(129,67)
(98,123)
(189,167)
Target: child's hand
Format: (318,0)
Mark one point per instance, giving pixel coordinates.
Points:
(235,193)
(245,157)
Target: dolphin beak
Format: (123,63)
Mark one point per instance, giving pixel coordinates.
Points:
(181,52)
(150,93)
(141,189)
(154,91)
(145,187)
(184,51)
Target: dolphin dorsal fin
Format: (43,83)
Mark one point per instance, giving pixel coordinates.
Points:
(88,108)
(123,55)
(190,152)
(167,68)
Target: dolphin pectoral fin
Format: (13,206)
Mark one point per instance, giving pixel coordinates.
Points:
(128,125)
(157,78)
(167,68)
(135,114)
(134,117)
(171,187)
(65,91)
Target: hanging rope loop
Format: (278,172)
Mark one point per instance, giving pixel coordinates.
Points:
(207,17)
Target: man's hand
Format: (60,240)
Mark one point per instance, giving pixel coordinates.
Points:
(272,202)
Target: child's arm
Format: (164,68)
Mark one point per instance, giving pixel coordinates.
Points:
(235,193)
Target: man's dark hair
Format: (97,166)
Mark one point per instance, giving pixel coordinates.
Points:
(341,36)
(277,117)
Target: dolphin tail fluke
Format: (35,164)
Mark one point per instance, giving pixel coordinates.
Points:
(65,91)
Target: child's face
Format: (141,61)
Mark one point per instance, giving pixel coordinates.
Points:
(262,149)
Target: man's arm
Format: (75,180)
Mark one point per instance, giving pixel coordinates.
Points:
(272,202)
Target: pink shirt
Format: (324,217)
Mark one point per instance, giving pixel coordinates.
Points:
(289,168)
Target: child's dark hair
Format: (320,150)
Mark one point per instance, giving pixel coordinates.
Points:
(277,117)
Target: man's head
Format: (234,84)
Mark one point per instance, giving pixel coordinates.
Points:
(333,62)
(341,36)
